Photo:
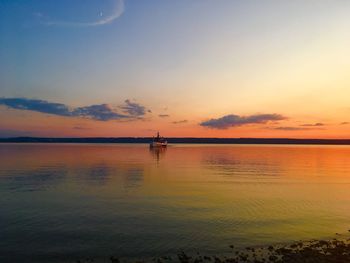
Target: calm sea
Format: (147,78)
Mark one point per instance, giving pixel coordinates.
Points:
(61,202)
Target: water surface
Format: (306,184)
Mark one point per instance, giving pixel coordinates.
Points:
(60,202)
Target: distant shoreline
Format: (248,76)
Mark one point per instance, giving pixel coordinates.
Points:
(176,140)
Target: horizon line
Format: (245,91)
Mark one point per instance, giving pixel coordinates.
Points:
(178,140)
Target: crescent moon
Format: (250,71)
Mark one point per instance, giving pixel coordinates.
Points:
(118,10)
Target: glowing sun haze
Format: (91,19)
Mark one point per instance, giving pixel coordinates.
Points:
(208,68)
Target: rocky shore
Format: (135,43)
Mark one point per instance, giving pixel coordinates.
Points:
(336,250)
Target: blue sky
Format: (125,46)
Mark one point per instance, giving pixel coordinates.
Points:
(209,58)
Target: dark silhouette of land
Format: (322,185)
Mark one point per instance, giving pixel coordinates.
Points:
(178,140)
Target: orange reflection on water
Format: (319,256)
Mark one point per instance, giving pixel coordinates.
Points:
(209,195)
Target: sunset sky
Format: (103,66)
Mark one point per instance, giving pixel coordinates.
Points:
(188,68)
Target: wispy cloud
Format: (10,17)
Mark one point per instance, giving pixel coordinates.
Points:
(293,128)
(81,128)
(232,120)
(134,109)
(100,112)
(36,105)
(318,124)
(290,128)
(118,10)
(345,123)
(179,122)
(163,115)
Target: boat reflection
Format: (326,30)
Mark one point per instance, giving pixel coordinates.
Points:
(157,152)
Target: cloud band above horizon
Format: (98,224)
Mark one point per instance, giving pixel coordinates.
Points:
(101,112)
(233,120)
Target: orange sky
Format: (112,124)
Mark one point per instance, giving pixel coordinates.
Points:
(193,69)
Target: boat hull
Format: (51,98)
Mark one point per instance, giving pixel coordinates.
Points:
(158,144)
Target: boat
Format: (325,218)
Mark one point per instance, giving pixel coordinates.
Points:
(158,141)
